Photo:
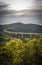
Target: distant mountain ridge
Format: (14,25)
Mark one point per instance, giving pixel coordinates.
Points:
(19,27)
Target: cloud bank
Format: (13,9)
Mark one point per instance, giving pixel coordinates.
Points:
(33,15)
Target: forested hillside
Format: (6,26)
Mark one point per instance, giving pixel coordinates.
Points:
(19,27)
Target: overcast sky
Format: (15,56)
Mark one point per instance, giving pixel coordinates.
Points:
(24,11)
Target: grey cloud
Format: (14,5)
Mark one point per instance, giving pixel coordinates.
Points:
(37,5)
(34,17)
(9,16)
(3,5)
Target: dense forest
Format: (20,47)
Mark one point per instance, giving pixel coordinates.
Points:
(21,52)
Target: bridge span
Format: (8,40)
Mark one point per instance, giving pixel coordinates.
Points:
(22,33)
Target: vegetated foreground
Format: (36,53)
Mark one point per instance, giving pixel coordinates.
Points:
(21,52)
